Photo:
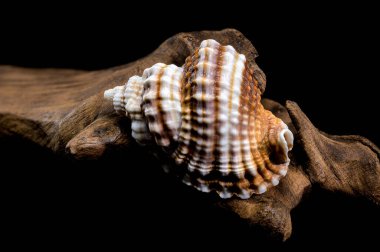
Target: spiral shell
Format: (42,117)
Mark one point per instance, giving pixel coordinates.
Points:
(208,117)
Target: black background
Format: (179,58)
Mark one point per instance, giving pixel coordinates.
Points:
(323,57)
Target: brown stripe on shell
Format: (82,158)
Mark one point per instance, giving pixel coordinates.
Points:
(181,154)
(162,135)
(203,98)
(253,175)
(199,155)
(218,70)
(171,87)
(231,151)
(211,71)
(261,156)
(193,107)
(243,111)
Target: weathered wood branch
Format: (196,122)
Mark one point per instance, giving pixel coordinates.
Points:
(64,110)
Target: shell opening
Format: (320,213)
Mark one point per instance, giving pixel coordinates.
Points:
(283,145)
(286,139)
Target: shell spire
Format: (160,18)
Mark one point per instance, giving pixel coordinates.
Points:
(208,118)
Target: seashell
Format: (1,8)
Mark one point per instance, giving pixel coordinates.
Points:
(208,118)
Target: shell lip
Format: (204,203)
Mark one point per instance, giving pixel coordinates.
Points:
(282,146)
(286,139)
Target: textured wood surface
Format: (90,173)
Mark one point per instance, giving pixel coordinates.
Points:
(64,111)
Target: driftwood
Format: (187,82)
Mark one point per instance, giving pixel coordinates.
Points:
(64,111)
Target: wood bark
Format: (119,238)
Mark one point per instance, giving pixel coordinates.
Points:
(64,111)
